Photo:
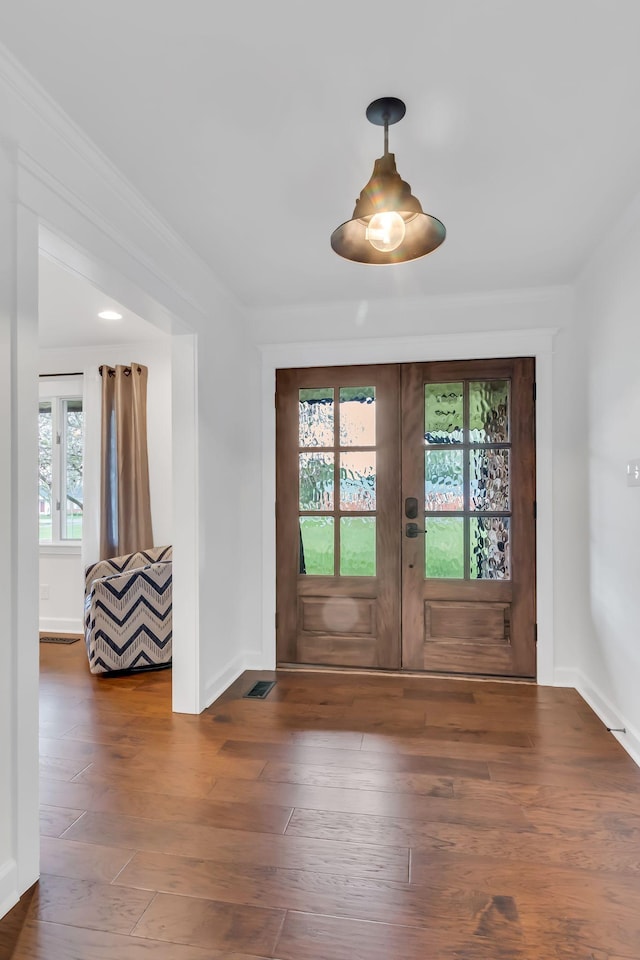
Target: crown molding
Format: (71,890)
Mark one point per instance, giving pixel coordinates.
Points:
(51,115)
(436,301)
(437,346)
(29,165)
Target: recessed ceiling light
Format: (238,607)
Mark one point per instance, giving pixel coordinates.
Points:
(110,315)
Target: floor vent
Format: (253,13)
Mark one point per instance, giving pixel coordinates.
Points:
(261,689)
(48,638)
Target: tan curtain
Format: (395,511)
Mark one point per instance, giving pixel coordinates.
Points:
(125,505)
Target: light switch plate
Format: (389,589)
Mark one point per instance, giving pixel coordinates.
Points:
(633,473)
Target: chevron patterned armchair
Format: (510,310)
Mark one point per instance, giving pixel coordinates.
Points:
(128,603)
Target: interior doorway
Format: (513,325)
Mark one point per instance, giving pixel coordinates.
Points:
(405,517)
(172,351)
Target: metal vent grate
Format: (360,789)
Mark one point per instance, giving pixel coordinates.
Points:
(48,638)
(261,689)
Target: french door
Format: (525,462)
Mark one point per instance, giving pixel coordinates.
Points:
(405,517)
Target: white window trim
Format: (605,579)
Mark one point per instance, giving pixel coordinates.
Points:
(52,548)
(52,389)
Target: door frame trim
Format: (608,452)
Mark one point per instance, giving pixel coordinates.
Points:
(536,343)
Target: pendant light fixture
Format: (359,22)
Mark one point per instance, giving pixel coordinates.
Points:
(388,223)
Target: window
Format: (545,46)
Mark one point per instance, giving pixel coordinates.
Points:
(60,448)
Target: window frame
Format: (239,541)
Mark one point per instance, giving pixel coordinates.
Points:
(56,390)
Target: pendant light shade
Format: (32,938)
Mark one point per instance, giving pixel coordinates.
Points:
(388,224)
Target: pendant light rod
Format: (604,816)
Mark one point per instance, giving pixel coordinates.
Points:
(383,113)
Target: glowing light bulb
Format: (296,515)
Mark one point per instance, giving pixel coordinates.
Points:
(385,231)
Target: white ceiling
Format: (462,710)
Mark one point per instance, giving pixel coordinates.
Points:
(68,311)
(244,126)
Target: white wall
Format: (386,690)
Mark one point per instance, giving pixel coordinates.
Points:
(18,536)
(230,507)
(61,591)
(8,854)
(607,651)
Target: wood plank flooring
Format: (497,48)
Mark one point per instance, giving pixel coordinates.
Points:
(343,818)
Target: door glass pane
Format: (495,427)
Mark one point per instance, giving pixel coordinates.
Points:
(316,481)
(315,417)
(490,548)
(45,478)
(358,546)
(489,479)
(443,412)
(357,416)
(316,546)
(358,481)
(489,411)
(73,426)
(443,481)
(444,547)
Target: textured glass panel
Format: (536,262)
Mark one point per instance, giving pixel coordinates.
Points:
(357,416)
(74,498)
(490,548)
(358,546)
(316,481)
(443,481)
(489,479)
(358,481)
(444,547)
(45,479)
(315,417)
(489,411)
(316,546)
(443,412)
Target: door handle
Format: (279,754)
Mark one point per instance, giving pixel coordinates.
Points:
(412,531)
(411,508)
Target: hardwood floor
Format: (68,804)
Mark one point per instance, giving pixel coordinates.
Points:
(342,818)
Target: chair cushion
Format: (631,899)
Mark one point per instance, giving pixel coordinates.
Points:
(105,568)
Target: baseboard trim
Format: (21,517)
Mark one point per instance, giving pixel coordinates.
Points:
(223,680)
(60,625)
(624,732)
(8,886)
(217,685)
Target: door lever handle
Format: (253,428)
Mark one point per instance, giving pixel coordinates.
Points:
(412,531)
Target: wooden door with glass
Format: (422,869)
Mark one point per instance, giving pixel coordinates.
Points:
(405,517)
(337,502)
(468,577)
